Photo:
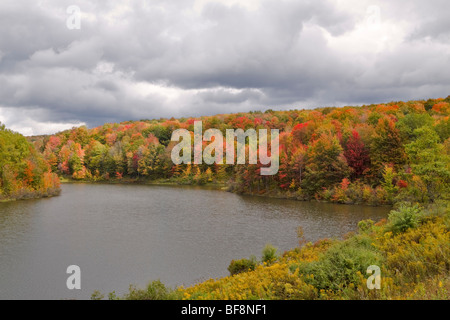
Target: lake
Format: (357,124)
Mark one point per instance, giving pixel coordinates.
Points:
(131,234)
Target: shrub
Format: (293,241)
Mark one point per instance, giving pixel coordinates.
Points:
(97,295)
(327,194)
(365,226)
(405,217)
(441,209)
(418,253)
(341,265)
(269,254)
(156,290)
(242,265)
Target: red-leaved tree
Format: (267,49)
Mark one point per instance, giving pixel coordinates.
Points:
(357,155)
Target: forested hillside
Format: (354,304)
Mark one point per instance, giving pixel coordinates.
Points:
(375,154)
(24,173)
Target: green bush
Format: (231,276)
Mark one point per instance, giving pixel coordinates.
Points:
(155,290)
(405,217)
(340,266)
(242,265)
(269,254)
(365,226)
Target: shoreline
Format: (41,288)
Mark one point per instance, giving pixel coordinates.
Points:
(218,186)
(36,195)
(214,186)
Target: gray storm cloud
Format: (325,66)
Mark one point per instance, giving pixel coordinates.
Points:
(152,59)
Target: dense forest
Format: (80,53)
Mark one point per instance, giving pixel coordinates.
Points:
(375,154)
(24,173)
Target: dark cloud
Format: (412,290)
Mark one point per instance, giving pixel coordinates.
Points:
(151,59)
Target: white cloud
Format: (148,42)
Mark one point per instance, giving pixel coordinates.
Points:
(28,126)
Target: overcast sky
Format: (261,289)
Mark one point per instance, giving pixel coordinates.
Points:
(136,59)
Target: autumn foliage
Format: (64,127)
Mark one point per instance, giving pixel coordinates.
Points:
(318,149)
(23,171)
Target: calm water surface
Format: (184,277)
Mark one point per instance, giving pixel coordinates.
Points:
(131,234)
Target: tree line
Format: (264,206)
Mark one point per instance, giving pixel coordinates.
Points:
(372,154)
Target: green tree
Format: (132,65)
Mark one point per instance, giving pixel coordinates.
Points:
(387,147)
(411,122)
(430,162)
(388,183)
(23,171)
(95,157)
(326,164)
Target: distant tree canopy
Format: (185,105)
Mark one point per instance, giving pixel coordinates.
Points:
(351,154)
